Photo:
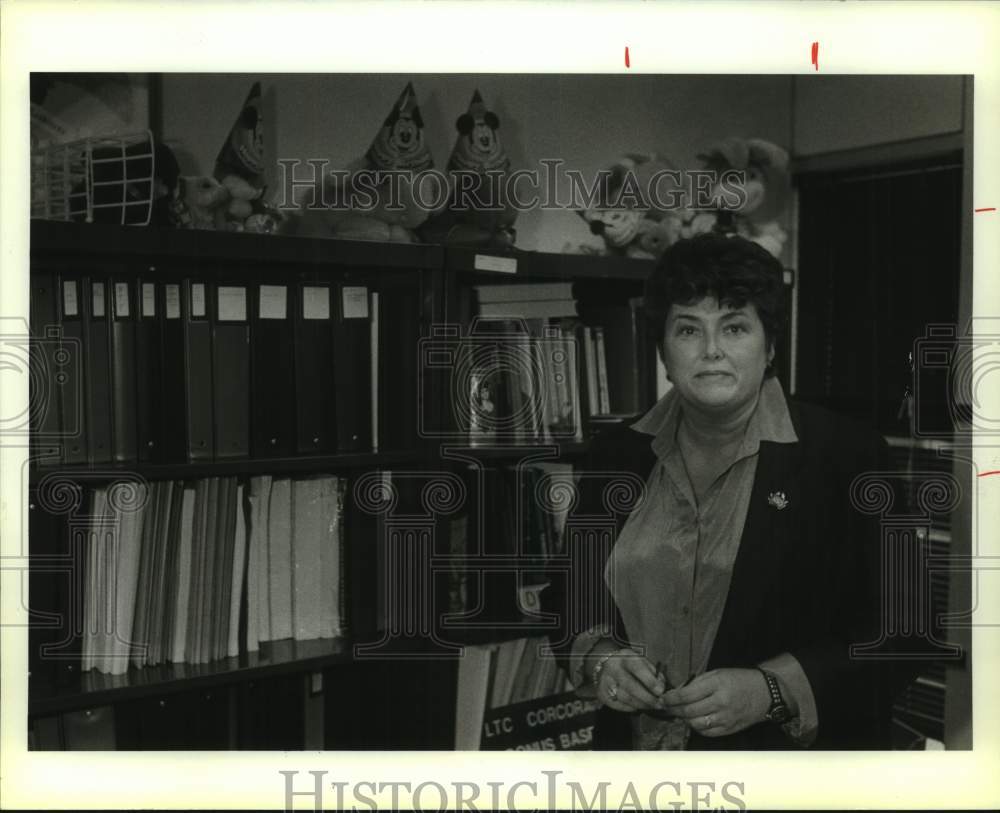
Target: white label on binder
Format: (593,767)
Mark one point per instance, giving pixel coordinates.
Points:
(355,302)
(273,302)
(232,303)
(121,299)
(502,265)
(198,299)
(70,306)
(315,302)
(172,296)
(148,299)
(97,298)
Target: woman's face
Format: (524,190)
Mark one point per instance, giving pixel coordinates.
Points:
(715,356)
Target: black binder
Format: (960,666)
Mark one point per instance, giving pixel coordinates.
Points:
(44,381)
(398,343)
(121,321)
(272,372)
(96,304)
(353,362)
(231,370)
(198,387)
(71,395)
(149,372)
(173,410)
(316,419)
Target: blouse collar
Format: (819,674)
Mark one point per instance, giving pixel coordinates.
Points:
(770,421)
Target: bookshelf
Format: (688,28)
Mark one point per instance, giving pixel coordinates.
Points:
(419,287)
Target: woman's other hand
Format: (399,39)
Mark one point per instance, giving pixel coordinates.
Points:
(627,681)
(720,702)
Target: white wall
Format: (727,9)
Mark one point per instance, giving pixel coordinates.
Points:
(587,121)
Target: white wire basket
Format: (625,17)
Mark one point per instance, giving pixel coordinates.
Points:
(96,180)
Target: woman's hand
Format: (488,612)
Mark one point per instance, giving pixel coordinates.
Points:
(720,702)
(628,682)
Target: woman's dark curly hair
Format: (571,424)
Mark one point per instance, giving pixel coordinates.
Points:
(732,269)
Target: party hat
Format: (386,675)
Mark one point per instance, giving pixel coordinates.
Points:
(478,147)
(399,143)
(243,152)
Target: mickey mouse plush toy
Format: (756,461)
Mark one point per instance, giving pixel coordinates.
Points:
(479,213)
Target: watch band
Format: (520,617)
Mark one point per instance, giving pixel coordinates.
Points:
(778,711)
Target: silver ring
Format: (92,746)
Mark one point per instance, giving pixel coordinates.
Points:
(708,721)
(613,692)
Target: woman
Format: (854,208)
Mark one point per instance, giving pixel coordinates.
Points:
(726,608)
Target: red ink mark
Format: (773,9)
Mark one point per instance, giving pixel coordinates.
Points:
(815,59)
(987,209)
(987,473)
(627,63)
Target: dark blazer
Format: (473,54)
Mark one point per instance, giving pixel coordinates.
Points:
(806,580)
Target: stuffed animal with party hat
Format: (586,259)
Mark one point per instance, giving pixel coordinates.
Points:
(394,212)
(239,167)
(479,213)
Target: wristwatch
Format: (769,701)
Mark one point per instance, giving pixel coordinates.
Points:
(778,711)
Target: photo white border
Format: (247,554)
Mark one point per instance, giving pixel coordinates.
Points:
(249,37)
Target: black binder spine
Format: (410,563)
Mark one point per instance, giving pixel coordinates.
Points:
(198,386)
(272,372)
(231,370)
(121,337)
(98,373)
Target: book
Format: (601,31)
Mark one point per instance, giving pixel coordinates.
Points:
(258,590)
(586,337)
(306,556)
(280,559)
(603,397)
(182,576)
(171,577)
(471,696)
(332,576)
(524,292)
(236,592)
(544,309)
(126,579)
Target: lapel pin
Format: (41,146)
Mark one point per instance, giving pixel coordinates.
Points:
(777,499)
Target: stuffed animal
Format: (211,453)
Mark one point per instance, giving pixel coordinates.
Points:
(199,202)
(480,215)
(394,211)
(239,167)
(635,217)
(767,187)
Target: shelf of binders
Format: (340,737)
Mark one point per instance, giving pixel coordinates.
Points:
(222,361)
